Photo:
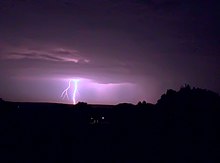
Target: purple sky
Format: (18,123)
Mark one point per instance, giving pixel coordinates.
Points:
(121,50)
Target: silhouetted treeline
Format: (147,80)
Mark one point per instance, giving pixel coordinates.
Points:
(183,126)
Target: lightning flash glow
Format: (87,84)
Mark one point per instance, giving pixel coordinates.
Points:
(75,87)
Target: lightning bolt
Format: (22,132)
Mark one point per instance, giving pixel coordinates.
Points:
(74,92)
(65,92)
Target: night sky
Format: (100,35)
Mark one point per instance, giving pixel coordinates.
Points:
(119,50)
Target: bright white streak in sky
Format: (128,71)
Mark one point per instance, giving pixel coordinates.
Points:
(93,92)
(75,90)
(65,92)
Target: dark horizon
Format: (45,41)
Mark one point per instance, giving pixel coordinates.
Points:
(183,126)
(186,86)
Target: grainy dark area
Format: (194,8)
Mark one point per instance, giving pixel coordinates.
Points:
(184,126)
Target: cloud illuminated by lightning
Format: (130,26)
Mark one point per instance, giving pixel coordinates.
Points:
(75,87)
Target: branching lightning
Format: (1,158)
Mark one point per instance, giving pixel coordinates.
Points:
(75,87)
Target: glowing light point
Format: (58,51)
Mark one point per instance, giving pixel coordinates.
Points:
(75,87)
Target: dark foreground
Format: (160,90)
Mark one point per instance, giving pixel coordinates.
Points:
(181,127)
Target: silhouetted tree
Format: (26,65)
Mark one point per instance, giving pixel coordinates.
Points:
(139,103)
(81,104)
(144,103)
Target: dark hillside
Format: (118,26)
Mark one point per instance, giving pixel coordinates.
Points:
(184,126)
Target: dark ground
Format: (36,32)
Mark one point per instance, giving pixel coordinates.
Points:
(183,126)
